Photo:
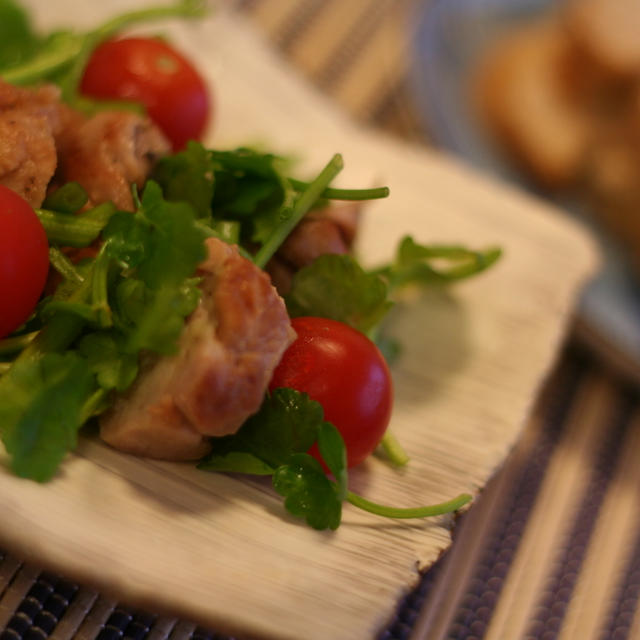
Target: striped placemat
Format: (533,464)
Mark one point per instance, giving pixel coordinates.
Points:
(552,547)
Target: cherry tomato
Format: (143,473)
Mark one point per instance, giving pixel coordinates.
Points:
(345,372)
(24,260)
(149,71)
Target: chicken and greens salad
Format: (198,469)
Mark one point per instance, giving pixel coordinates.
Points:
(190,303)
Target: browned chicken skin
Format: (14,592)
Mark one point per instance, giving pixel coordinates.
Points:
(227,352)
(29,120)
(42,139)
(108,153)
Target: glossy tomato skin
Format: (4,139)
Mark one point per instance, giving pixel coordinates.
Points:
(345,372)
(150,71)
(24,260)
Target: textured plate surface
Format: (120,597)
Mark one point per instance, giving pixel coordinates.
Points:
(219,549)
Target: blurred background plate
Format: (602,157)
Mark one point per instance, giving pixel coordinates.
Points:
(449,39)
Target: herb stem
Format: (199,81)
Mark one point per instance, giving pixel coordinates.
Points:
(184,8)
(331,193)
(68,230)
(16,343)
(224,235)
(64,266)
(74,49)
(56,336)
(416,512)
(93,404)
(393,449)
(304,202)
(57,56)
(99,285)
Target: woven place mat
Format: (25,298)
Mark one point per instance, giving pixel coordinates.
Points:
(552,547)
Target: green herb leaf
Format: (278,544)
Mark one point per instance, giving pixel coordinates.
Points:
(334,453)
(41,409)
(251,187)
(69,198)
(308,493)
(432,264)
(17,40)
(288,422)
(188,176)
(105,353)
(337,287)
(162,245)
(236,462)
(75,230)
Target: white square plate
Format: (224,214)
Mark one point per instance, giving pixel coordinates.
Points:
(221,549)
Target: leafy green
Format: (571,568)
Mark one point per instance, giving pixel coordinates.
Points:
(42,403)
(108,360)
(308,493)
(161,246)
(422,264)
(86,297)
(251,187)
(287,423)
(337,287)
(333,452)
(188,176)
(74,230)
(17,39)
(275,442)
(69,198)
(245,196)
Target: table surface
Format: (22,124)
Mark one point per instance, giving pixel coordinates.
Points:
(552,547)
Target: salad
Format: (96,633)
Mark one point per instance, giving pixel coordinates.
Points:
(137,273)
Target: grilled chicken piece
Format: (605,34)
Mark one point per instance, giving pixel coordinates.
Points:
(227,352)
(41,137)
(108,153)
(29,122)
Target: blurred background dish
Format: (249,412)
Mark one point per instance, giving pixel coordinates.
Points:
(546,95)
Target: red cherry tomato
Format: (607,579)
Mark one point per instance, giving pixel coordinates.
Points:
(345,372)
(149,71)
(24,260)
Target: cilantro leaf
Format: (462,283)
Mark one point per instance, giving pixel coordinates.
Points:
(422,264)
(287,422)
(161,240)
(161,245)
(188,176)
(69,198)
(334,453)
(308,493)
(17,39)
(235,462)
(161,317)
(252,187)
(337,287)
(105,353)
(42,404)
(274,442)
